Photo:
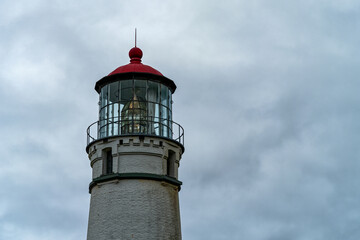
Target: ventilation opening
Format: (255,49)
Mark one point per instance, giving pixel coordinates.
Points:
(171,164)
(107,161)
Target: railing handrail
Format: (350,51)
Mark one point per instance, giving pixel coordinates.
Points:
(177,136)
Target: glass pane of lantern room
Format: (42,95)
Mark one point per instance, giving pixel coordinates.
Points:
(140,89)
(153,99)
(110,119)
(126,91)
(121,104)
(103,122)
(103,96)
(141,112)
(164,111)
(126,114)
(153,92)
(157,119)
(126,95)
(113,108)
(170,100)
(164,122)
(164,96)
(170,115)
(103,111)
(114,92)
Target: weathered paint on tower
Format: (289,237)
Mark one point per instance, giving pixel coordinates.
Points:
(135,150)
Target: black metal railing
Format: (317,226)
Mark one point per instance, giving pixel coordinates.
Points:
(150,126)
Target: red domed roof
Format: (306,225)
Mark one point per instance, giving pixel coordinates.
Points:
(135,64)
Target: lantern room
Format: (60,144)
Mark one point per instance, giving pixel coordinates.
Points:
(135,99)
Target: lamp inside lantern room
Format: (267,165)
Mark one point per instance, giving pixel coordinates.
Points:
(133,117)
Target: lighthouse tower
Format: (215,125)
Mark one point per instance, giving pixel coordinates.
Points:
(135,150)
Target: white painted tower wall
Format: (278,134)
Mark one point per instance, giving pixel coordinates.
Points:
(139,200)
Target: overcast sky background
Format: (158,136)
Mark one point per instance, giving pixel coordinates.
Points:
(268,94)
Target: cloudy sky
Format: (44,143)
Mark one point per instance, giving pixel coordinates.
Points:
(268,94)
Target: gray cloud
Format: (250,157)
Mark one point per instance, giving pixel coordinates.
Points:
(267,93)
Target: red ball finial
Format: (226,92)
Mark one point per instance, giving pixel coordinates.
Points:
(135,55)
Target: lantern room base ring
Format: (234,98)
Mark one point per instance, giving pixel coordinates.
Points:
(120,176)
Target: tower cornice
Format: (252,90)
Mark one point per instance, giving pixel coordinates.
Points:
(147,176)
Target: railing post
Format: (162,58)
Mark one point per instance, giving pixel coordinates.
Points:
(98,129)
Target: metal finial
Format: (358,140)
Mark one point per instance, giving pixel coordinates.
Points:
(135,37)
